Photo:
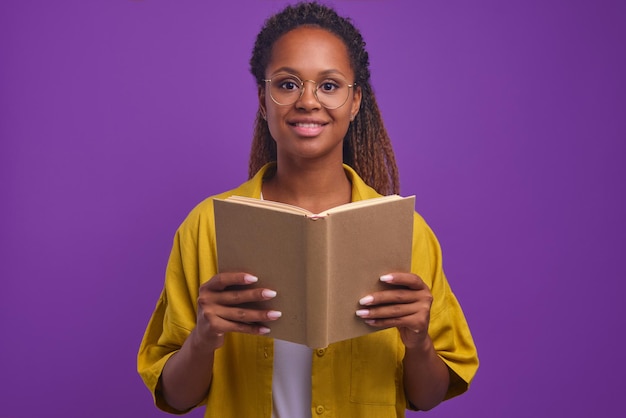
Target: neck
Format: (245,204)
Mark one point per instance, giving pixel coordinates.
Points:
(315,187)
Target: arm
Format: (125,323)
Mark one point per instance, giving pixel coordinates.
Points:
(426,376)
(187,375)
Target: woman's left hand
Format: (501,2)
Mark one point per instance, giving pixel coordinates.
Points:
(406,307)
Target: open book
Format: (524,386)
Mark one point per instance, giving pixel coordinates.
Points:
(319,264)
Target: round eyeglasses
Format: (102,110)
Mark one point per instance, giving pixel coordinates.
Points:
(331,92)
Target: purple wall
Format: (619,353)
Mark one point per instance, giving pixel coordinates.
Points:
(508,119)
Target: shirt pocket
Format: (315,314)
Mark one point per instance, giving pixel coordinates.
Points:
(375,370)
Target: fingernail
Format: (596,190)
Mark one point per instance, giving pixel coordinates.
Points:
(363,312)
(248,278)
(264,330)
(386,278)
(274,314)
(268,293)
(370,321)
(366,300)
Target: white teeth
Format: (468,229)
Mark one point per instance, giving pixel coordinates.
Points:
(308,125)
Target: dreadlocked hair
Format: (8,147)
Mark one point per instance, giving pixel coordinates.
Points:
(367,146)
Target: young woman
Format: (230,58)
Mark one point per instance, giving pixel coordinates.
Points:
(319,142)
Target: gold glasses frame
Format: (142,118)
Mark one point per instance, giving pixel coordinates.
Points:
(300,83)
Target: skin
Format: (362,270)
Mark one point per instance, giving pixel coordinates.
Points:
(310,172)
(310,175)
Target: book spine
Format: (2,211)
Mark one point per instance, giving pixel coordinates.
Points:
(317,281)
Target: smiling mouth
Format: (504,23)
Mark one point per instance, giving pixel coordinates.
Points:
(308,125)
(308,129)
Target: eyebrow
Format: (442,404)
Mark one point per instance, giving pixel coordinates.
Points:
(296,72)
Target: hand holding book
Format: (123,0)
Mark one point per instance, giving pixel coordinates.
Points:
(405,306)
(223,307)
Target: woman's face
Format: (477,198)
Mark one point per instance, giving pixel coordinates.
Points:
(306,129)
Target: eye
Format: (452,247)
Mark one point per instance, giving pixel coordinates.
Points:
(288,84)
(329,86)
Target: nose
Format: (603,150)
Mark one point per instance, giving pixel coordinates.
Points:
(308,98)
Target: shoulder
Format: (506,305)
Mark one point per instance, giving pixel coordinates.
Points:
(203,211)
(360,189)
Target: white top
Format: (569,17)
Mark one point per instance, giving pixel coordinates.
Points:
(291,381)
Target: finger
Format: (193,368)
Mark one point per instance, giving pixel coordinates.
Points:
(392,311)
(220,326)
(223,280)
(410,280)
(409,322)
(238,297)
(395,296)
(245,315)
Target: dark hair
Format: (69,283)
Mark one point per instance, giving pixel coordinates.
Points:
(367,147)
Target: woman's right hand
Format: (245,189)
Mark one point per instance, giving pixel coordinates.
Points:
(220,308)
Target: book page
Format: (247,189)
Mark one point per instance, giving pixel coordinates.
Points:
(285,207)
(269,204)
(362,203)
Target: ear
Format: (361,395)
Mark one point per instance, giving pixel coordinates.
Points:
(262,108)
(356,102)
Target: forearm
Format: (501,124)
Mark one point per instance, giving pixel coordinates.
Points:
(426,376)
(187,374)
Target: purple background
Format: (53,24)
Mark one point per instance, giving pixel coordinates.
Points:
(508,120)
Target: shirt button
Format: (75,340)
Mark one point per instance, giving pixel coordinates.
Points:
(319,409)
(320,352)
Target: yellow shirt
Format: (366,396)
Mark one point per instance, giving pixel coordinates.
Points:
(361,377)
